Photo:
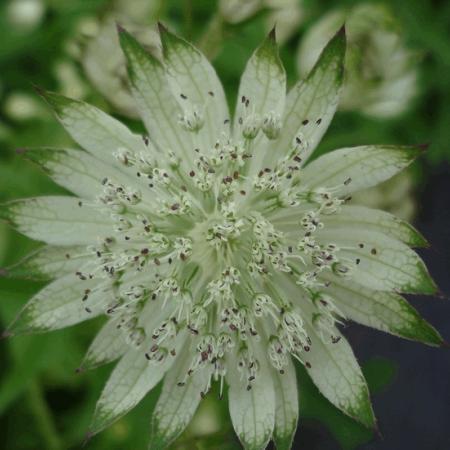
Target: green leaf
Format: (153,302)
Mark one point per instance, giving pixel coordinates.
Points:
(194,83)
(286,407)
(57,220)
(384,311)
(178,402)
(29,355)
(379,373)
(350,169)
(18,377)
(312,102)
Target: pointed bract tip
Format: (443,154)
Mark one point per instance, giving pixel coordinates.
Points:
(79,369)
(423,147)
(445,344)
(40,91)
(87,437)
(377,432)
(5,335)
(440,295)
(120,29)
(341,31)
(161,28)
(3,272)
(21,151)
(273,34)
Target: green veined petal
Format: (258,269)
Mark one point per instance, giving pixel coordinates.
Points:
(359,217)
(50,262)
(351,169)
(94,130)
(384,311)
(57,220)
(286,407)
(380,262)
(156,103)
(335,371)
(262,89)
(194,83)
(252,411)
(112,342)
(77,170)
(60,304)
(312,102)
(108,345)
(178,402)
(132,378)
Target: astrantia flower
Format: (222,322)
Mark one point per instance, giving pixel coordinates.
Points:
(215,253)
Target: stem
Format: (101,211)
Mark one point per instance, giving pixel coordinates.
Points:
(43,417)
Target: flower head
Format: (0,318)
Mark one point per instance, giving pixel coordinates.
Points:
(216,254)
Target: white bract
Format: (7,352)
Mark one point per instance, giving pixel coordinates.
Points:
(215,253)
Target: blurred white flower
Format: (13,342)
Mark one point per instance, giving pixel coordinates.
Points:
(104,63)
(97,48)
(287,15)
(235,11)
(71,82)
(25,15)
(381,72)
(395,195)
(22,106)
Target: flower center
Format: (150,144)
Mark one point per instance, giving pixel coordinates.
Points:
(211,244)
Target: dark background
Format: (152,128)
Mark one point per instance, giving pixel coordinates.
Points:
(414,408)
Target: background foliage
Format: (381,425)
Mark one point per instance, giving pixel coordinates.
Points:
(44,404)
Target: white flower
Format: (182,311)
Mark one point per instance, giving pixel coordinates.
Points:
(235,11)
(381,74)
(396,195)
(286,14)
(25,15)
(104,63)
(216,254)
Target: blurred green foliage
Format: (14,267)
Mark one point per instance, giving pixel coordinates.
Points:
(43,403)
